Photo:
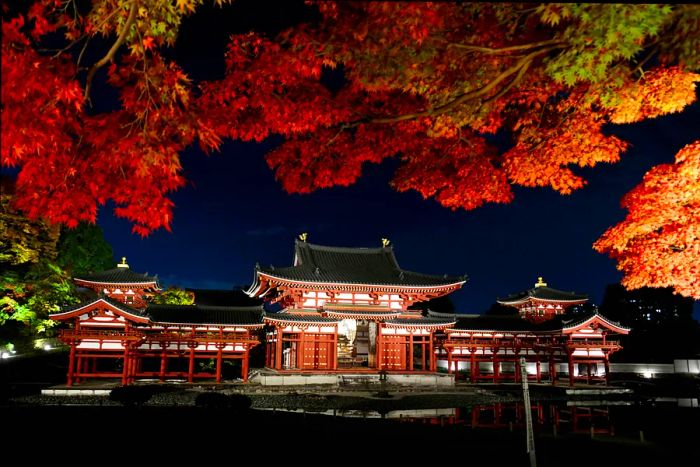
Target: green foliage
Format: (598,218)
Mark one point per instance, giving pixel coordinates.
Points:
(32,285)
(29,298)
(174,296)
(599,36)
(84,250)
(23,242)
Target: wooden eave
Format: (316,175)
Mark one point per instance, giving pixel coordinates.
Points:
(102,303)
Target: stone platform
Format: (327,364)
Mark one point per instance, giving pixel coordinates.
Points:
(88,388)
(272,378)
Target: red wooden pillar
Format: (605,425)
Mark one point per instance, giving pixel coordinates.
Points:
(271,352)
(496,365)
(125,367)
(71,363)
(302,350)
(380,348)
(449,361)
(133,365)
(278,350)
(473,365)
(333,363)
(78,366)
(163,361)
(244,364)
(410,350)
(431,351)
(219,359)
(190,369)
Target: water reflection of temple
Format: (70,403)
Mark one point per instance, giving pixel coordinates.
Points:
(511,415)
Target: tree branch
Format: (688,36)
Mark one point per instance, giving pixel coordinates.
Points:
(510,85)
(112,51)
(520,67)
(502,50)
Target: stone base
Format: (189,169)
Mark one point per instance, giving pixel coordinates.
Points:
(271,378)
(75,391)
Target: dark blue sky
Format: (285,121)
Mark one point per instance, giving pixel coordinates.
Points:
(233,214)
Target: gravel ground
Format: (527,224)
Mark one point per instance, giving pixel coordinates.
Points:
(315,399)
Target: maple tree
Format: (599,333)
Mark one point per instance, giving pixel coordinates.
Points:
(658,243)
(424,82)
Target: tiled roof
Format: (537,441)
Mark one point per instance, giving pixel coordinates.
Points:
(517,324)
(436,314)
(301,317)
(375,266)
(544,293)
(419,321)
(115,303)
(204,314)
(122,275)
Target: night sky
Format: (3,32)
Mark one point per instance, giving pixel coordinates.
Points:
(233,213)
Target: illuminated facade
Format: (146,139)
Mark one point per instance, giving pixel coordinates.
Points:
(339,310)
(488,348)
(347,309)
(119,334)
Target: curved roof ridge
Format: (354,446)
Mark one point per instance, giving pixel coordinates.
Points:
(117,276)
(543,293)
(344,249)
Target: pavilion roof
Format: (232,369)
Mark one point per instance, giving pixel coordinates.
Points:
(541,292)
(341,265)
(119,275)
(101,297)
(181,314)
(517,324)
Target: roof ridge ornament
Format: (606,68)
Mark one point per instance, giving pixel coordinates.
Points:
(385,242)
(540,282)
(123,263)
(303,236)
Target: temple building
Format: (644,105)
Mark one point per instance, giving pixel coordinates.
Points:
(122,284)
(334,310)
(488,348)
(119,334)
(542,303)
(347,309)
